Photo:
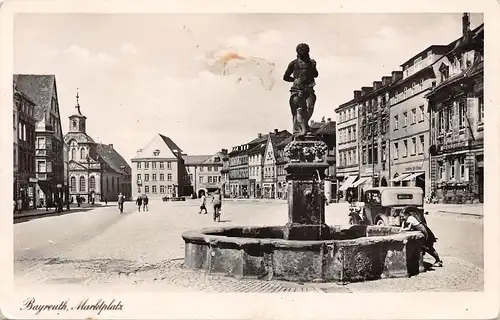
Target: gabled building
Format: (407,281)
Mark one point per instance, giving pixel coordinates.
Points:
(42,90)
(96,171)
(456,105)
(203,173)
(327,132)
(158,169)
(281,161)
(225,175)
(256,166)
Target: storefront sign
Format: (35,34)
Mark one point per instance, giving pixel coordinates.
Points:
(414,168)
(34,180)
(454,145)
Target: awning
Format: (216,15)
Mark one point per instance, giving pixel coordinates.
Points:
(361,181)
(413,176)
(347,183)
(399,178)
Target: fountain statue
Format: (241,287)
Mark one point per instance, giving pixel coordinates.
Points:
(306,248)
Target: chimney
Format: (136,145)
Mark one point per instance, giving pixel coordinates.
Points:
(396,75)
(465,23)
(111,145)
(276,131)
(259,135)
(357,94)
(366,90)
(377,85)
(386,80)
(329,120)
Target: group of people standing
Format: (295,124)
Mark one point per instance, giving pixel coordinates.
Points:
(142,201)
(216,202)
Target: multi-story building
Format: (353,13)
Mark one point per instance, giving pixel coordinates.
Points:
(238,171)
(409,129)
(203,173)
(158,169)
(347,166)
(272,188)
(225,175)
(457,128)
(373,139)
(255,166)
(49,157)
(327,132)
(281,161)
(24,151)
(97,172)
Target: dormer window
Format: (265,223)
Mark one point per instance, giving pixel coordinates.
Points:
(444,72)
(74,124)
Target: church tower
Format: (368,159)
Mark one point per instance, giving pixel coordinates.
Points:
(77,121)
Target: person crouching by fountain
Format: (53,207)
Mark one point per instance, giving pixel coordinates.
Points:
(138,202)
(412,224)
(217,203)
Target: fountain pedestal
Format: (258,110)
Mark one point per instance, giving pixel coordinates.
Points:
(306,198)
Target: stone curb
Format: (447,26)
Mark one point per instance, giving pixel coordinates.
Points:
(462,213)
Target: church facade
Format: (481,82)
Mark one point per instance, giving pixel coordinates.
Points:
(97,172)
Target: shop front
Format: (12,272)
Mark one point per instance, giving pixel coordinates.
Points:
(346,187)
(411,175)
(269,190)
(361,185)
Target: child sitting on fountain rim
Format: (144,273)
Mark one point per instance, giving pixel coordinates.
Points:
(412,224)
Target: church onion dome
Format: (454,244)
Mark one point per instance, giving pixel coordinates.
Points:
(77,112)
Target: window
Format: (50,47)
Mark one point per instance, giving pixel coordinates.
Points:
(201,168)
(349,159)
(210,179)
(153,165)
(73,184)
(82,153)
(364,155)
(169,189)
(154,176)
(169,177)
(396,122)
(82,184)
(413,146)
(405,148)
(41,166)
(216,168)
(462,113)
(24,132)
(162,177)
(73,153)
(461,164)
(218,178)
(370,154)
(146,189)
(422,145)
(92,183)
(405,119)
(201,179)
(162,188)
(450,118)
(146,164)
(396,150)
(384,151)
(452,168)
(162,165)
(40,143)
(441,121)
(413,116)
(349,134)
(153,189)
(138,177)
(354,133)
(169,165)
(146,177)
(139,165)
(442,170)
(480,101)
(375,154)
(421,114)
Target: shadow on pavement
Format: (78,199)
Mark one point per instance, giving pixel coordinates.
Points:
(52,214)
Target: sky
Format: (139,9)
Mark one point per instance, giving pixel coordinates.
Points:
(142,74)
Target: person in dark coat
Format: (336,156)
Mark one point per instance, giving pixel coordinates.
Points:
(139,202)
(413,224)
(145,202)
(121,200)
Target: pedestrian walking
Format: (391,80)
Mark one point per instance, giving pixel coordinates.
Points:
(412,224)
(145,202)
(203,204)
(217,203)
(121,200)
(138,201)
(106,201)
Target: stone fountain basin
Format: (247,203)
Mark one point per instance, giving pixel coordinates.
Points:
(356,253)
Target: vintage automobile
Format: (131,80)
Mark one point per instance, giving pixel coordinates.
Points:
(385,206)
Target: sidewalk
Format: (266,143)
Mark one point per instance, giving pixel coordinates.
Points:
(463,209)
(52,211)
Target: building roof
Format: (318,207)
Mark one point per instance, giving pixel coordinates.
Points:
(434,47)
(80,137)
(260,148)
(112,158)
(195,160)
(39,89)
(327,128)
(284,142)
(171,144)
